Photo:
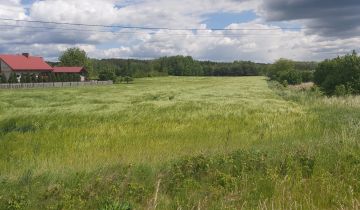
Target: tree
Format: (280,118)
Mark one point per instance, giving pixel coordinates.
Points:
(307,76)
(23,78)
(77,78)
(52,77)
(34,78)
(284,70)
(3,78)
(27,78)
(66,77)
(13,78)
(280,68)
(106,75)
(128,79)
(73,57)
(292,77)
(340,90)
(339,75)
(76,57)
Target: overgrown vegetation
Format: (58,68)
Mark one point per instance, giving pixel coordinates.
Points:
(179,143)
(289,72)
(339,76)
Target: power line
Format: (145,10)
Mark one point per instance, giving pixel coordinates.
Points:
(153,28)
(156,34)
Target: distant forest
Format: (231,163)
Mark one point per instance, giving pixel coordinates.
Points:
(182,66)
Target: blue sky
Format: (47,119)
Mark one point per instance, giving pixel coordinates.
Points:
(223,19)
(257,28)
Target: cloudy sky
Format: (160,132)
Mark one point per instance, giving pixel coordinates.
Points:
(257,30)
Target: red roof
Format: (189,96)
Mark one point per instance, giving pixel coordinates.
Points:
(24,63)
(68,69)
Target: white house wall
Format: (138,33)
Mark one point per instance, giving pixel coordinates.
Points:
(5,69)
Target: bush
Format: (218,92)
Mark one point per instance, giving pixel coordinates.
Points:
(13,78)
(307,76)
(292,77)
(285,83)
(340,90)
(284,69)
(107,75)
(128,79)
(118,80)
(3,79)
(340,75)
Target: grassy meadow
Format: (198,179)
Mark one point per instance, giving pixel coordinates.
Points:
(179,143)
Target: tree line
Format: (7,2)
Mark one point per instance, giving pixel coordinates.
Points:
(175,66)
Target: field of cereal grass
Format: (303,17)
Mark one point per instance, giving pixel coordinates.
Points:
(229,142)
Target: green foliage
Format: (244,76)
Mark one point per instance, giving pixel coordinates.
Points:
(333,76)
(73,57)
(34,79)
(107,75)
(285,83)
(3,79)
(307,76)
(340,90)
(52,77)
(284,70)
(76,57)
(13,78)
(280,67)
(27,78)
(178,66)
(292,77)
(116,206)
(128,79)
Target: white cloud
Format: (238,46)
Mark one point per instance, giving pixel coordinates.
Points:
(12,9)
(262,45)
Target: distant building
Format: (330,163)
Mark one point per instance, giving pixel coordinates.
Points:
(26,64)
(72,70)
(21,64)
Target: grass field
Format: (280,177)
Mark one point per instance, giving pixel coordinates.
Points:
(179,143)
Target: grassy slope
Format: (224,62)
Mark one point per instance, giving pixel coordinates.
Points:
(247,145)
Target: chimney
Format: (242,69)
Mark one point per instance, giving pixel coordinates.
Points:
(26,54)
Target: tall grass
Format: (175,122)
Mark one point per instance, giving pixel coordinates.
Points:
(194,142)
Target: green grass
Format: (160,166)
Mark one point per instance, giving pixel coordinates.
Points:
(212,143)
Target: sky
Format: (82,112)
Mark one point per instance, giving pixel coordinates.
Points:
(218,30)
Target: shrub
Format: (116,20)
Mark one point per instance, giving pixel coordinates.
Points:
(340,75)
(307,76)
(33,78)
(3,79)
(285,83)
(118,80)
(340,90)
(284,69)
(13,78)
(107,75)
(128,79)
(292,77)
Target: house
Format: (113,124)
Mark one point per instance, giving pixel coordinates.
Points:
(72,70)
(21,64)
(36,66)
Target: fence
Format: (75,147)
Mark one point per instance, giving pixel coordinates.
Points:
(53,84)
